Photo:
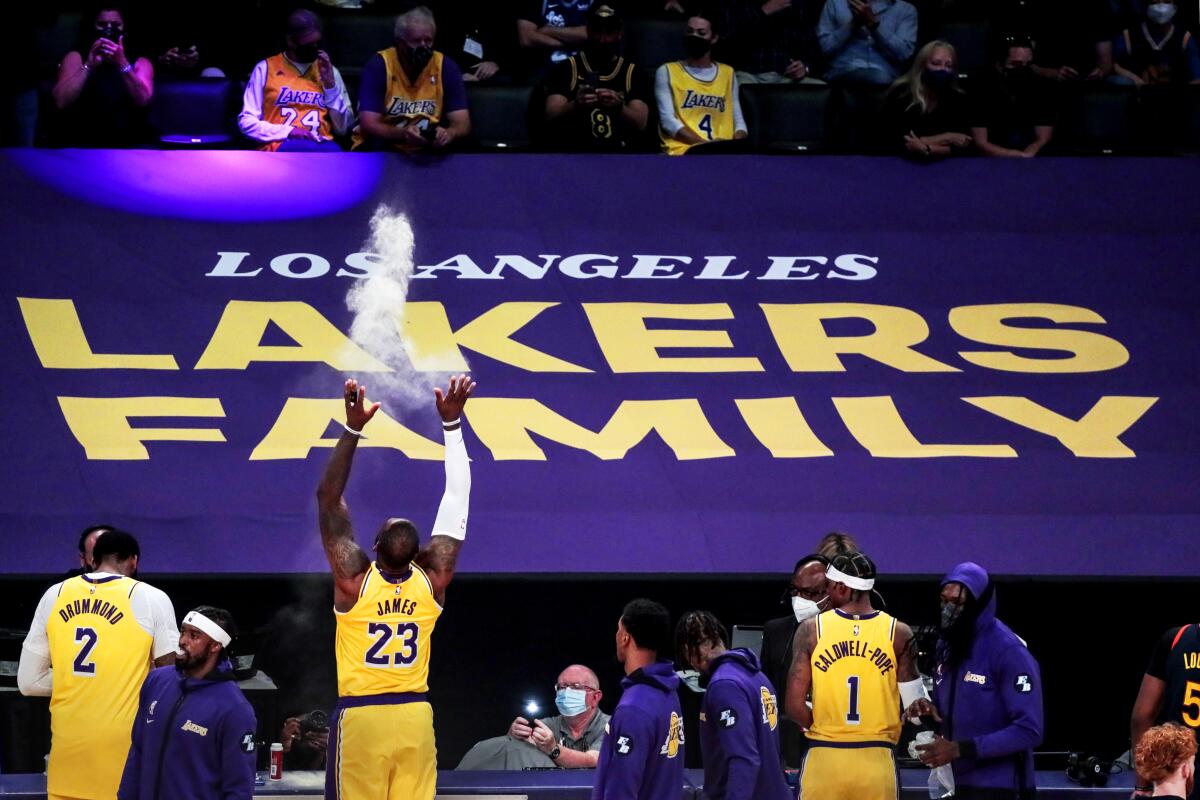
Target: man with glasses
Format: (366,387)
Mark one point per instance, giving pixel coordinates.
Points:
(571,740)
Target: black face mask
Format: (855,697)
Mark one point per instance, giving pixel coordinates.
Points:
(307,53)
(601,54)
(938,78)
(696,46)
(417,57)
(1019,77)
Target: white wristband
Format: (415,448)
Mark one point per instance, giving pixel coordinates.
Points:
(359,434)
(912,691)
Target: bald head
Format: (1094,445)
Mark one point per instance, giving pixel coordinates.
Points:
(572,680)
(578,674)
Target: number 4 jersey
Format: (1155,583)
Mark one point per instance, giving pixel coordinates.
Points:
(854,691)
(101,632)
(383,640)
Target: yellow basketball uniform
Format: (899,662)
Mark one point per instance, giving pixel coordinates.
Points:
(382,744)
(856,709)
(100,656)
(417,102)
(704,107)
(294,98)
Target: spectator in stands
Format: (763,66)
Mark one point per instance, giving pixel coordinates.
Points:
(926,111)
(1013,109)
(697,98)
(595,99)
(551,31)
(836,543)
(570,740)
(477,35)
(1157,51)
(102,88)
(774,41)
(1167,693)
(412,97)
(988,690)
(296,100)
(867,42)
(1166,758)
(1073,39)
(305,740)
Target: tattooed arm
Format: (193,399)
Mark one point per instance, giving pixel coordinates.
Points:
(800,674)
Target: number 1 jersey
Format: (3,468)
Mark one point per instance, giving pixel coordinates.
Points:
(383,640)
(855,695)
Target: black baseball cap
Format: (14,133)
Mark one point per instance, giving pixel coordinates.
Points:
(603,16)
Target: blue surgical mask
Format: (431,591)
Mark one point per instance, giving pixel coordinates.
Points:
(571,702)
(1160,13)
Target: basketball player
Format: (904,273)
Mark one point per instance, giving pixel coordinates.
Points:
(99,633)
(1170,690)
(860,665)
(697,97)
(381,744)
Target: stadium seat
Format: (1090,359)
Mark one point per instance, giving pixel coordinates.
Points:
(196,113)
(786,118)
(651,42)
(499,116)
(55,40)
(1097,121)
(1191,133)
(352,38)
(970,42)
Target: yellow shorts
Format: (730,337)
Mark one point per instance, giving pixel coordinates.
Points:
(381,752)
(866,772)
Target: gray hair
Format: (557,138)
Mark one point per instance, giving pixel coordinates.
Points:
(420,13)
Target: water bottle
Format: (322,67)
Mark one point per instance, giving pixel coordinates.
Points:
(941,779)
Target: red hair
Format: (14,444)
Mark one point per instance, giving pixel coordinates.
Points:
(1162,749)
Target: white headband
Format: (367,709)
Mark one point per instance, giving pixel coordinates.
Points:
(861,584)
(206,625)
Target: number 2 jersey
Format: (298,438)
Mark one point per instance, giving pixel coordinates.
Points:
(101,632)
(855,694)
(383,641)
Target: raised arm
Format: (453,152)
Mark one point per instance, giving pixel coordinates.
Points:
(440,556)
(800,674)
(346,559)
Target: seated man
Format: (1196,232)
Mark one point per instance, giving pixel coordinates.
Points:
(571,740)
(867,42)
(412,96)
(595,100)
(697,97)
(296,100)
(1014,109)
(550,31)
(1157,51)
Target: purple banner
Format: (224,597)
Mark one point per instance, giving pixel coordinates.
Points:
(683,365)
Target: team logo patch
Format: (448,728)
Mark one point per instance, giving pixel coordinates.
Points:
(192,727)
(770,707)
(971,677)
(856,630)
(1023,684)
(624,745)
(728,718)
(153,703)
(248,743)
(670,748)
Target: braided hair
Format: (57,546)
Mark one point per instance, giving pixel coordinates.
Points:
(856,565)
(694,629)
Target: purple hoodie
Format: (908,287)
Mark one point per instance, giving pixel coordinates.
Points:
(739,731)
(642,755)
(991,702)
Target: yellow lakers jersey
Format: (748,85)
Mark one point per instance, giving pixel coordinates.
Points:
(383,640)
(100,656)
(704,107)
(855,695)
(294,98)
(417,102)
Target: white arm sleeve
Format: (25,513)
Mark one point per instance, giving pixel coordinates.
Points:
(739,122)
(337,102)
(250,121)
(34,677)
(163,626)
(666,103)
(452,513)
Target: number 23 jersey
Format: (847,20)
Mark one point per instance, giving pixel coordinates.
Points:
(383,640)
(855,695)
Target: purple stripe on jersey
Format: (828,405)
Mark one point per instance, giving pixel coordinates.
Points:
(387,699)
(850,745)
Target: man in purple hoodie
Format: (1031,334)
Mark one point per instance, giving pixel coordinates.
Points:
(739,716)
(642,755)
(193,736)
(988,689)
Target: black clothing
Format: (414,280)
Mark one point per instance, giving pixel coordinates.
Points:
(597,128)
(1010,110)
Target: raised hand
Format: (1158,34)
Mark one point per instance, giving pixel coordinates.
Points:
(451,402)
(358,411)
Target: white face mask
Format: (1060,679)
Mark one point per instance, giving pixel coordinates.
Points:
(805,609)
(1160,13)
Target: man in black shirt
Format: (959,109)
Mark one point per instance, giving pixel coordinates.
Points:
(550,31)
(1170,690)
(1073,37)
(1014,108)
(596,100)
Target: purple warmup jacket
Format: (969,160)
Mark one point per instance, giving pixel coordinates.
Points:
(991,702)
(642,755)
(739,731)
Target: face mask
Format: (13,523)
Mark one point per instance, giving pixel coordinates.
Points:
(307,53)
(696,46)
(1160,13)
(571,702)
(602,53)
(419,56)
(951,613)
(938,78)
(806,609)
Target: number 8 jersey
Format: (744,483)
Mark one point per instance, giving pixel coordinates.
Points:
(855,696)
(383,640)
